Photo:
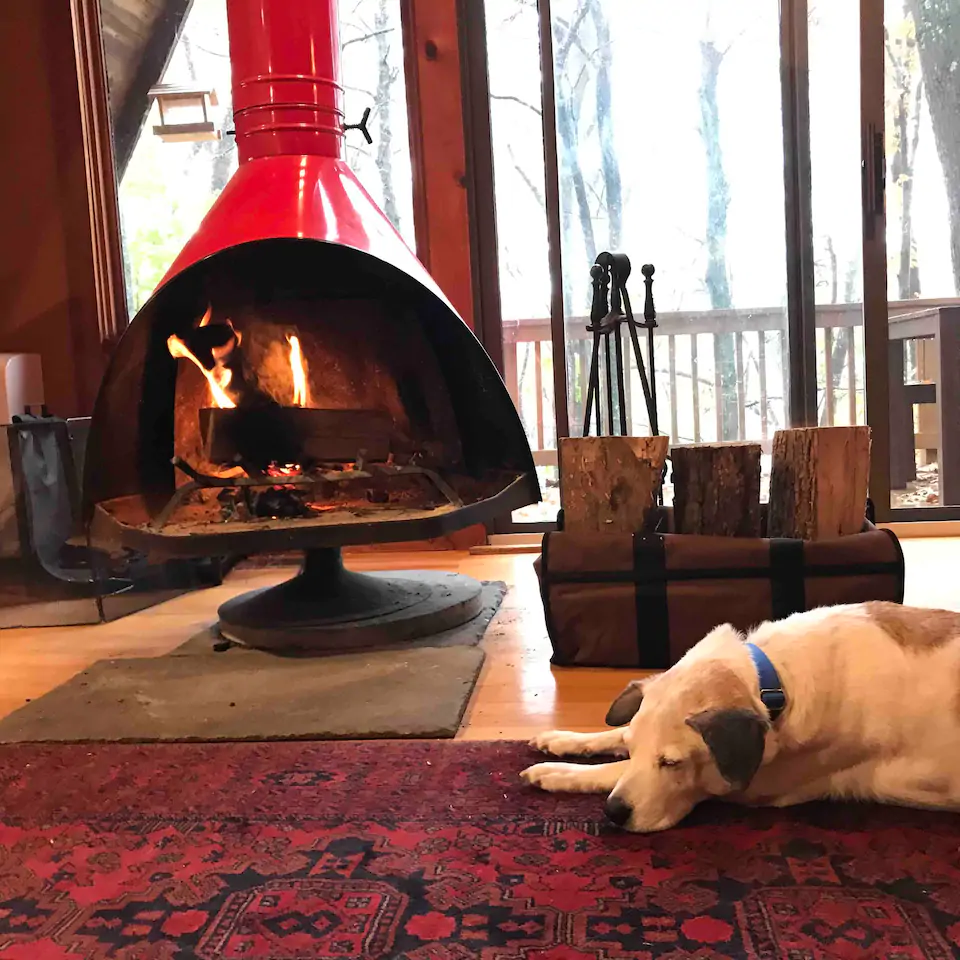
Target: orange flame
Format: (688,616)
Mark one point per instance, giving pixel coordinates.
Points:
(218,378)
(205,319)
(301,393)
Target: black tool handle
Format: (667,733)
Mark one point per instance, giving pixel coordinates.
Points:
(649,310)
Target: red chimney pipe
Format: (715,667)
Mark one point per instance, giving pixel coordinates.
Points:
(287,96)
(288,113)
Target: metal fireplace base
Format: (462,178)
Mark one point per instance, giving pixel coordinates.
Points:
(326,608)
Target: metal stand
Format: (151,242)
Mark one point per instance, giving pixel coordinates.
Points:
(610,310)
(326,608)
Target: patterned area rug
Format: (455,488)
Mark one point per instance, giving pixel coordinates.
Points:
(433,851)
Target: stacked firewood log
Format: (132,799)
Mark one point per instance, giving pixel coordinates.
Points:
(818,484)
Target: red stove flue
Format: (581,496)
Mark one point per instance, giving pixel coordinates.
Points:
(288,116)
(295,257)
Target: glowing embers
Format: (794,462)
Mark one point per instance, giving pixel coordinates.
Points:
(288,493)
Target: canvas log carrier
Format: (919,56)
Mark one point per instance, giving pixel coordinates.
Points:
(642,600)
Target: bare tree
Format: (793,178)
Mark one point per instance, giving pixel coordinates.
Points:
(609,162)
(590,199)
(716,277)
(906,100)
(383,99)
(938,40)
(380,32)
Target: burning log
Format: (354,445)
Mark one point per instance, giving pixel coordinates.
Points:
(274,434)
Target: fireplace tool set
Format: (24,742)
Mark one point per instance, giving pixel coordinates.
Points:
(609,312)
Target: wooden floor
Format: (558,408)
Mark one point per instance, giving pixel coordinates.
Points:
(519,693)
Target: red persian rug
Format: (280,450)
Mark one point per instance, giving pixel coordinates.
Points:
(435,851)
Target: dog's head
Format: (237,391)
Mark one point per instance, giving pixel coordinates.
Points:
(694,732)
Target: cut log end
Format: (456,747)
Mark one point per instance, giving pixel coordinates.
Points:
(716,489)
(818,482)
(610,484)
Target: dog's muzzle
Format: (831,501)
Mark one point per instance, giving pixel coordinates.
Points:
(618,811)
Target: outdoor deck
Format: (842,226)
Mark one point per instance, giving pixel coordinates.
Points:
(688,378)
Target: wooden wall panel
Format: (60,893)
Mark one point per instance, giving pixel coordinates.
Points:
(48,296)
(437,143)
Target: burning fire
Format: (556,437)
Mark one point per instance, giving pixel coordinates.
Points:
(220,376)
(301,393)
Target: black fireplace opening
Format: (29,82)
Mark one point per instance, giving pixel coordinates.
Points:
(295,393)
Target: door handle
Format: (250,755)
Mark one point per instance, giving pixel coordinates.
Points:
(879,174)
(874,174)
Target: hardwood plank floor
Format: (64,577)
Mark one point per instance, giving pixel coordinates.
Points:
(518,695)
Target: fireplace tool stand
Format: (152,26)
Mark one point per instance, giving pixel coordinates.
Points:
(327,608)
(609,311)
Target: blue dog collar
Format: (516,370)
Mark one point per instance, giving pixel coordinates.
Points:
(771,689)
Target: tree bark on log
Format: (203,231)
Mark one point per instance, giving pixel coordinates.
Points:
(609,484)
(818,482)
(716,489)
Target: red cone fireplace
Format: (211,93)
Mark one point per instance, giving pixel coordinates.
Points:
(297,380)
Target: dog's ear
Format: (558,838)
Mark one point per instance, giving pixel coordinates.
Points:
(622,709)
(735,739)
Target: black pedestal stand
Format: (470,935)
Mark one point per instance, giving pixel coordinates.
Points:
(326,608)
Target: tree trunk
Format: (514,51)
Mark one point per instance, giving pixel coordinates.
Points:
(716,489)
(902,69)
(818,482)
(386,77)
(609,484)
(222,157)
(718,204)
(834,271)
(574,200)
(609,163)
(938,40)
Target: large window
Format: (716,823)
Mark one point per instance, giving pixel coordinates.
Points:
(670,148)
(166,188)
(669,125)
(922,141)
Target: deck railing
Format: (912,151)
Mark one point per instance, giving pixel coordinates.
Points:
(688,391)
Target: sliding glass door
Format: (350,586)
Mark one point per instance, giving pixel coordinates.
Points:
(670,145)
(922,113)
(783,168)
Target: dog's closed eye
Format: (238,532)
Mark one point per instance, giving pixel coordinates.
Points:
(668,762)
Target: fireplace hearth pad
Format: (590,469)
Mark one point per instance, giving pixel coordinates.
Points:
(327,608)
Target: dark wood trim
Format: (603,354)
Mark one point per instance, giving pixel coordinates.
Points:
(433,61)
(876,327)
(112,314)
(481,195)
(411,73)
(552,203)
(436,102)
(488,313)
(132,113)
(922,514)
(798,200)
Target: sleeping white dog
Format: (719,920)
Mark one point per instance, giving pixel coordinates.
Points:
(847,702)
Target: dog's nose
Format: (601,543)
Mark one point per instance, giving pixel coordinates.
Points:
(618,811)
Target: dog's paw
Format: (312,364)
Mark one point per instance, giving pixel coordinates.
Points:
(562,743)
(555,777)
